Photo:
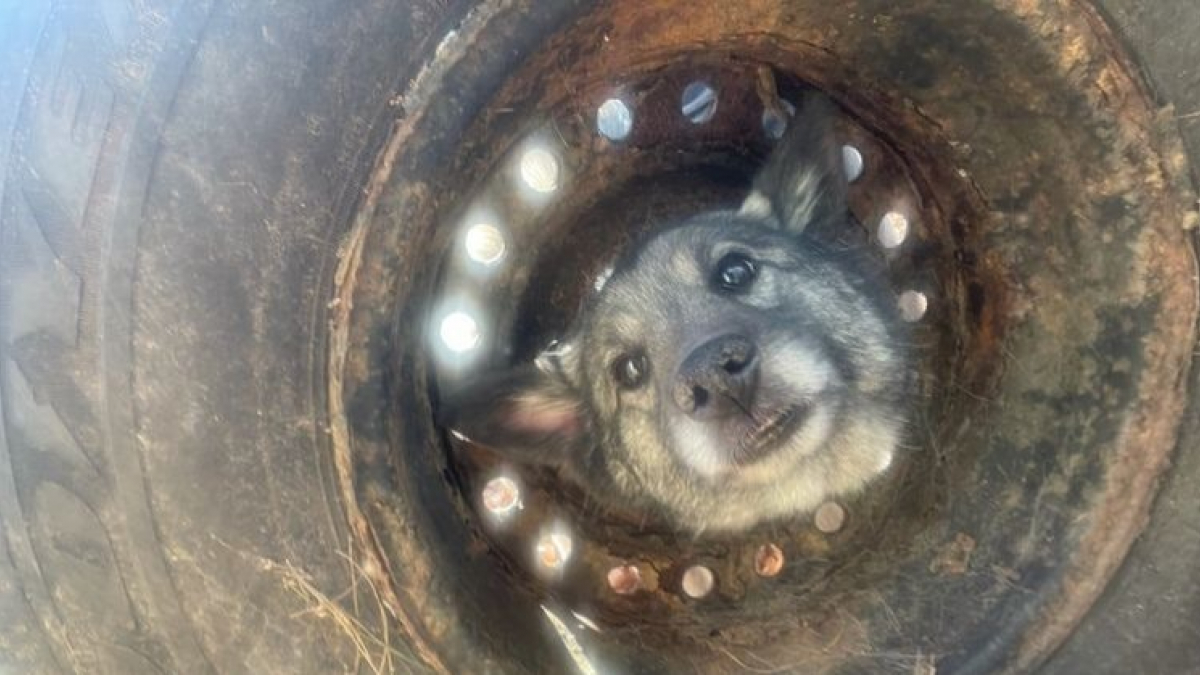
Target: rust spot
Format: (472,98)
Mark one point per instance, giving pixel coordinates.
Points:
(768,560)
(954,558)
(1001,213)
(624,579)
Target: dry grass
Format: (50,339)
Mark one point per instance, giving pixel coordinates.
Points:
(372,647)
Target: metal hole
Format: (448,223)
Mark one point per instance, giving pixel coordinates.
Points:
(852,163)
(625,579)
(768,560)
(459,332)
(913,305)
(554,550)
(614,120)
(501,496)
(484,244)
(540,170)
(697,581)
(830,517)
(893,229)
(699,102)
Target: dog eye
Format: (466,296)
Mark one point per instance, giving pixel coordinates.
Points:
(630,370)
(735,272)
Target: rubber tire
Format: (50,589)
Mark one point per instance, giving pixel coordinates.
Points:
(1148,620)
(176,178)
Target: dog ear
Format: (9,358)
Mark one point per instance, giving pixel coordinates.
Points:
(527,414)
(803,182)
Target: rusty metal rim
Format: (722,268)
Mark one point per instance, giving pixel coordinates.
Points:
(1151,435)
(364,545)
(1122,509)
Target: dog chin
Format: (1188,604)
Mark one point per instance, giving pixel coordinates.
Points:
(710,458)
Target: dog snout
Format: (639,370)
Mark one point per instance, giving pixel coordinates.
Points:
(718,378)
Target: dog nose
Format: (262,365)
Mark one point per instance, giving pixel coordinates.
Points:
(718,378)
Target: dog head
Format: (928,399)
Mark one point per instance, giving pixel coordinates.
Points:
(731,369)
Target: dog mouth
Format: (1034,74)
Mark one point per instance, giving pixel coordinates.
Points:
(770,432)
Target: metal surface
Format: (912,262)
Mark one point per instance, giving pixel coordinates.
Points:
(1051,360)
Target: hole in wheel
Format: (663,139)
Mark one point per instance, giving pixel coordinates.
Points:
(510,202)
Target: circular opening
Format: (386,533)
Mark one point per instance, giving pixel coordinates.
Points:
(853,161)
(459,332)
(768,560)
(893,229)
(830,517)
(614,120)
(540,170)
(625,579)
(699,102)
(697,582)
(501,496)
(485,244)
(659,175)
(913,305)
(554,550)
(978,515)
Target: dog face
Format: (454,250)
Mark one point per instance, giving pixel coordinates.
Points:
(731,370)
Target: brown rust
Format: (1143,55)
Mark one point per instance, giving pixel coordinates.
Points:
(768,560)
(1012,387)
(1142,452)
(363,540)
(954,558)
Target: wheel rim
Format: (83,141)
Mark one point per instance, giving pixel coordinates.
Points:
(1049,237)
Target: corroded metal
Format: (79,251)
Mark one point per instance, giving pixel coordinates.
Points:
(1051,201)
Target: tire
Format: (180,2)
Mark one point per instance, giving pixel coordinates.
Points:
(178,180)
(1147,620)
(152,521)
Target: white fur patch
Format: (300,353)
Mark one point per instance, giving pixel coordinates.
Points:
(756,205)
(697,450)
(885,461)
(802,369)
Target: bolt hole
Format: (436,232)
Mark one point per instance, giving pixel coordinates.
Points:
(852,163)
(913,305)
(539,170)
(830,517)
(893,229)
(501,496)
(484,244)
(697,582)
(768,560)
(554,550)
(625,579)
(459,332)
(699,102)
(614,120)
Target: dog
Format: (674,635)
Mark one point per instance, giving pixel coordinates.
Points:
(732,370)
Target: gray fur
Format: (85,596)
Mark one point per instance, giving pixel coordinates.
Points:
(826,360)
